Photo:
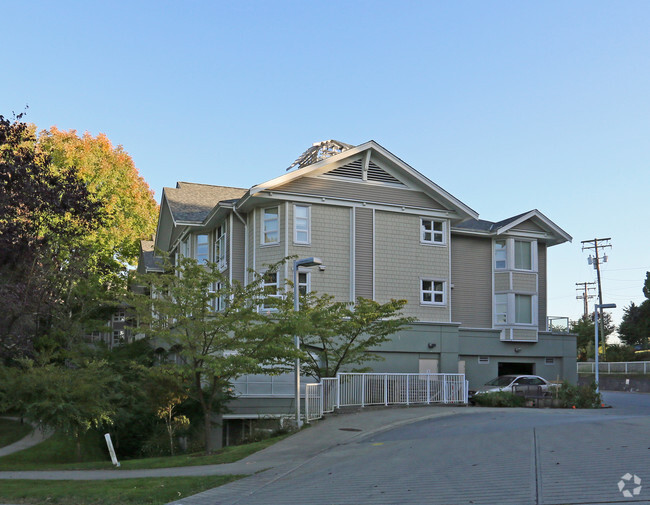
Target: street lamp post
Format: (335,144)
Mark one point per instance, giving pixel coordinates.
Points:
(305,262)
(596,307)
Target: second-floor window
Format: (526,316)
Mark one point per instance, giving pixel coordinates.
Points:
(270,226)
(220,248)
(301,224)
(202,248)
(304,283)
(500,254)
(432,292)
(501,308)
(270,286)
(523,255)
(432,231)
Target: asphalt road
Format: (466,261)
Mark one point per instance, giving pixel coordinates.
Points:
(492,457)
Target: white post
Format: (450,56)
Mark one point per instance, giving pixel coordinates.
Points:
(338,391)
(363,390)
(386,389)
(428,389)
(407,389)
(444,389)
(111,449)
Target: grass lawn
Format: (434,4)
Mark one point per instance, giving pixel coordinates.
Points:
(57,453)
(151,491)
(12,431)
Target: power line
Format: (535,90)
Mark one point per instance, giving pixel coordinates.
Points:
(597,244)
(585,295)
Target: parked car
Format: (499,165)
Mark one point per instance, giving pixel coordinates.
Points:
(509,382)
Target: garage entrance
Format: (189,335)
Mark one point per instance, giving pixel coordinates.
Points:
(516,368)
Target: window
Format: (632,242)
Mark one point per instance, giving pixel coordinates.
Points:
(501,309)
(184,251)
(271,226)
(523,309)
(270,286)
(118,337)
(202,249)
(432,292)
(523,255)
(304,283)
(119,316)
(220,248)
(301,224)
(217,301)
(432,232)
(500,254)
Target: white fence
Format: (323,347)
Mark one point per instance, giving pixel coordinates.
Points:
(614,367)
(361,389)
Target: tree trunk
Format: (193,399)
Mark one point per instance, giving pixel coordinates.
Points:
(207,432)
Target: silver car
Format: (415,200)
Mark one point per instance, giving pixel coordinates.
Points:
(508,383)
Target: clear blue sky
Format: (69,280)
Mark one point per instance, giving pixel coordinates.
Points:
(509,106)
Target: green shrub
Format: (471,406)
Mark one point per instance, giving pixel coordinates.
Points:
(580,397)
(499,399)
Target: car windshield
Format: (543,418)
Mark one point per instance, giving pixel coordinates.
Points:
(504,380)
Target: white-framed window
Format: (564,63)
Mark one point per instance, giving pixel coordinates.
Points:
(501,308)
(184,248)
(500,254)
(302,224)
(271,288)
(271,226)
(304,282)
(483,360)
(202,248)
(220,257)
(523,309)
(432,231)
(119,316)
(118,337)
(218,301)
(523,255)
(432,292)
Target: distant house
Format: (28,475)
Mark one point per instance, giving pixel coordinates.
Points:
(384,230)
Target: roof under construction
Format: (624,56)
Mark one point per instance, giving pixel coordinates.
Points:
(319,151)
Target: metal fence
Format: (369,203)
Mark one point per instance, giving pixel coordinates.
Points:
(615,367)
(362,389)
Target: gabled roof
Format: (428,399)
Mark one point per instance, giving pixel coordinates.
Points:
(191,203)
(371,148)
(555,234)
(149,261)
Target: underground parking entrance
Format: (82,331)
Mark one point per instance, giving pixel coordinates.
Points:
(506,368)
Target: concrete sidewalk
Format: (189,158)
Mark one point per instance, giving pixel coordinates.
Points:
(284,456)
(35,437)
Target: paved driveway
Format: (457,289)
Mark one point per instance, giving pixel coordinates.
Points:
(492,457)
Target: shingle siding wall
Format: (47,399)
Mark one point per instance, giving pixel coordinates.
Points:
(359,191)
(524,283)
(401,261)
(471,260)
(501,282)
(330,241)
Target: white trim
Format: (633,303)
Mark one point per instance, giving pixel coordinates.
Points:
(229,231)
(555,229)
(254,240)
(286,243)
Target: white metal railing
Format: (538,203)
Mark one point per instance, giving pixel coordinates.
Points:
(615,367)
(330,393)
(313,401)
(361,389)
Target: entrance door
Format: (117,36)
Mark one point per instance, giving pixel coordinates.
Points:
(516,368)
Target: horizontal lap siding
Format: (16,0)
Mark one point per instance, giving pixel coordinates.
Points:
(359,191)
(470,273)
(363,249)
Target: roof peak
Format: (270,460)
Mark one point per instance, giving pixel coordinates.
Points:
(320,151)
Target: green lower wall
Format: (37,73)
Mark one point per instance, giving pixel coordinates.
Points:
(449,344)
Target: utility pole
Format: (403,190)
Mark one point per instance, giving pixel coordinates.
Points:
(597,244)
(585,295)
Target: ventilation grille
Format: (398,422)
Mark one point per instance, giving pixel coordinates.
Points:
(354,170)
